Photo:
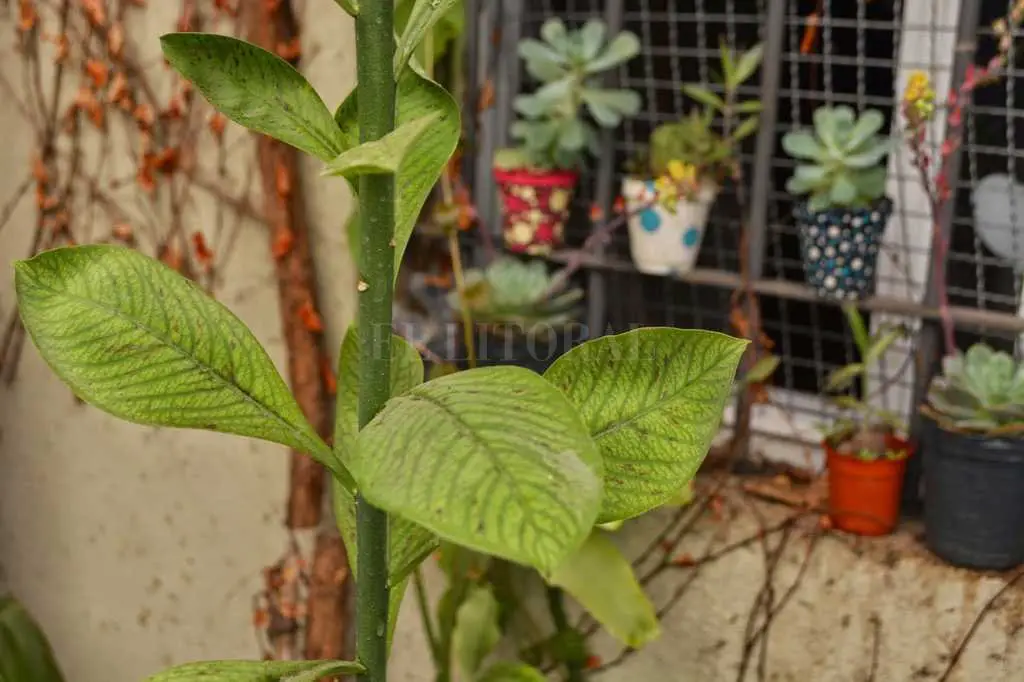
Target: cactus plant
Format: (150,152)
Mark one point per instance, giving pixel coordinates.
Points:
(510,292)
(551,130)
(839,165)
(981,391)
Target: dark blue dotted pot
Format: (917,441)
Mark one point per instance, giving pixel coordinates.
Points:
(840,248)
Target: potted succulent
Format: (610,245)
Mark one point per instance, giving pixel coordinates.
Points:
(840,167)
(536,179)
(672,188)
(866,456)
(974,460)
(523,314)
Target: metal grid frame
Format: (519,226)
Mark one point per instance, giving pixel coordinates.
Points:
(863,52)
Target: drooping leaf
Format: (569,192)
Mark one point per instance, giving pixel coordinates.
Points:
(256,89)
(704,96)
(506,671)
(409,544)
(603,582)
(508,468)
(620,50)
(653,400)
(881,343)
(257,671)
(762,370)
(25,653)
(747,128)
(861,339)
(421,168)
(476,630)
(801,145)
(425,13)
(608,107)
(843,377)
(384,155)
(138,340)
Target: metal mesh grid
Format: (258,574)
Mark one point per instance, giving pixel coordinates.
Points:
(860,55)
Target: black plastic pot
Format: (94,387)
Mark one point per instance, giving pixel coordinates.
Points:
(974,499)
(512,347)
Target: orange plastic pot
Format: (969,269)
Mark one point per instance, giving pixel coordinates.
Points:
(864,496)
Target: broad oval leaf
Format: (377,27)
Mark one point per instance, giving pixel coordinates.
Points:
(256,89)
(704,96)
(384,155)
(136,339)
(257,671)
(603,582)
(653,400)
(409,544)
(844,376)
(494,459)
(801,145)
(424,14)
(420,169)
(25,653)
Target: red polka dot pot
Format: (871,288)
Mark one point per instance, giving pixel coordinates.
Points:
(536,206)
(840,248)
(661,241)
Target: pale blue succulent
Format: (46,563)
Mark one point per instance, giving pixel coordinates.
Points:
(980,391)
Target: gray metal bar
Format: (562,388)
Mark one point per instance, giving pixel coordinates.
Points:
(929,340)
(756,228)
(597,300)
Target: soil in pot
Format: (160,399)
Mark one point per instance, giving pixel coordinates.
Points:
(974,498)
(662,242)
(864,495)
(840,248)
(535,208)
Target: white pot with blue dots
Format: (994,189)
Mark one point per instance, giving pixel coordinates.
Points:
(840,248)
(662,242)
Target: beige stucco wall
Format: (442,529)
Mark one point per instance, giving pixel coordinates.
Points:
(138,547)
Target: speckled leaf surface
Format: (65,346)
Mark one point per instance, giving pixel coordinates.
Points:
(420,169)
(136,339)
(653,400)
(256,671)
(493,459)
(424,14)
(256,89)
(384,155)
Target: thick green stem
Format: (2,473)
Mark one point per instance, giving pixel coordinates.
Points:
(556,604)
(376,91)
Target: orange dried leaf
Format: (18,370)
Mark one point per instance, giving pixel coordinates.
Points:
(39,173)
(282,180)
(218,122)
(118,92)
(28,17)
(98,72)
(144,116)
(95,11)
(810,33)
(284,239)
(166,161)
(260,618)
(202,250)
(620,204)
(310,318)
(825,522)
(592,662)
(290,50)
(123,232)
(329,379)
(225,7)
(63,47)
(144,177)
(486,100)
(683,560)
(171,257)
(596,213)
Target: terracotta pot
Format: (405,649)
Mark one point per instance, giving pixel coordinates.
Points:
(536,206)
(660,241)
(864,496)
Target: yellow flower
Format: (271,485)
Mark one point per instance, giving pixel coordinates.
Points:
(919,97)
(682,172)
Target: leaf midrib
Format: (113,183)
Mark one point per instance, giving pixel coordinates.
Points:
(615,426)
(207,369)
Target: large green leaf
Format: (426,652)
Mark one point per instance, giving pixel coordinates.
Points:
(384,155)
(25,653)
(494,459)
(476,630)
(409,543)
(505,671)
(653,400)
(256,89)
(603,582)
(138,340)
(420,169)
(257,671)
(422,17)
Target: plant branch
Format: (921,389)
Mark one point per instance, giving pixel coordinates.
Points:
(375,49)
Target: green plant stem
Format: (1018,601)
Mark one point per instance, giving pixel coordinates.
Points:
(460,286)
(428,622)
(376,91)
(556,604)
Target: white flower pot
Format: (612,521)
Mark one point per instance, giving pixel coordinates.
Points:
(662,242)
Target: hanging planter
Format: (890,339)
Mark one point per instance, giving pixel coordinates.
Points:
(535,207)
(974,460)
(840,166)
(840,247)
(662,241)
